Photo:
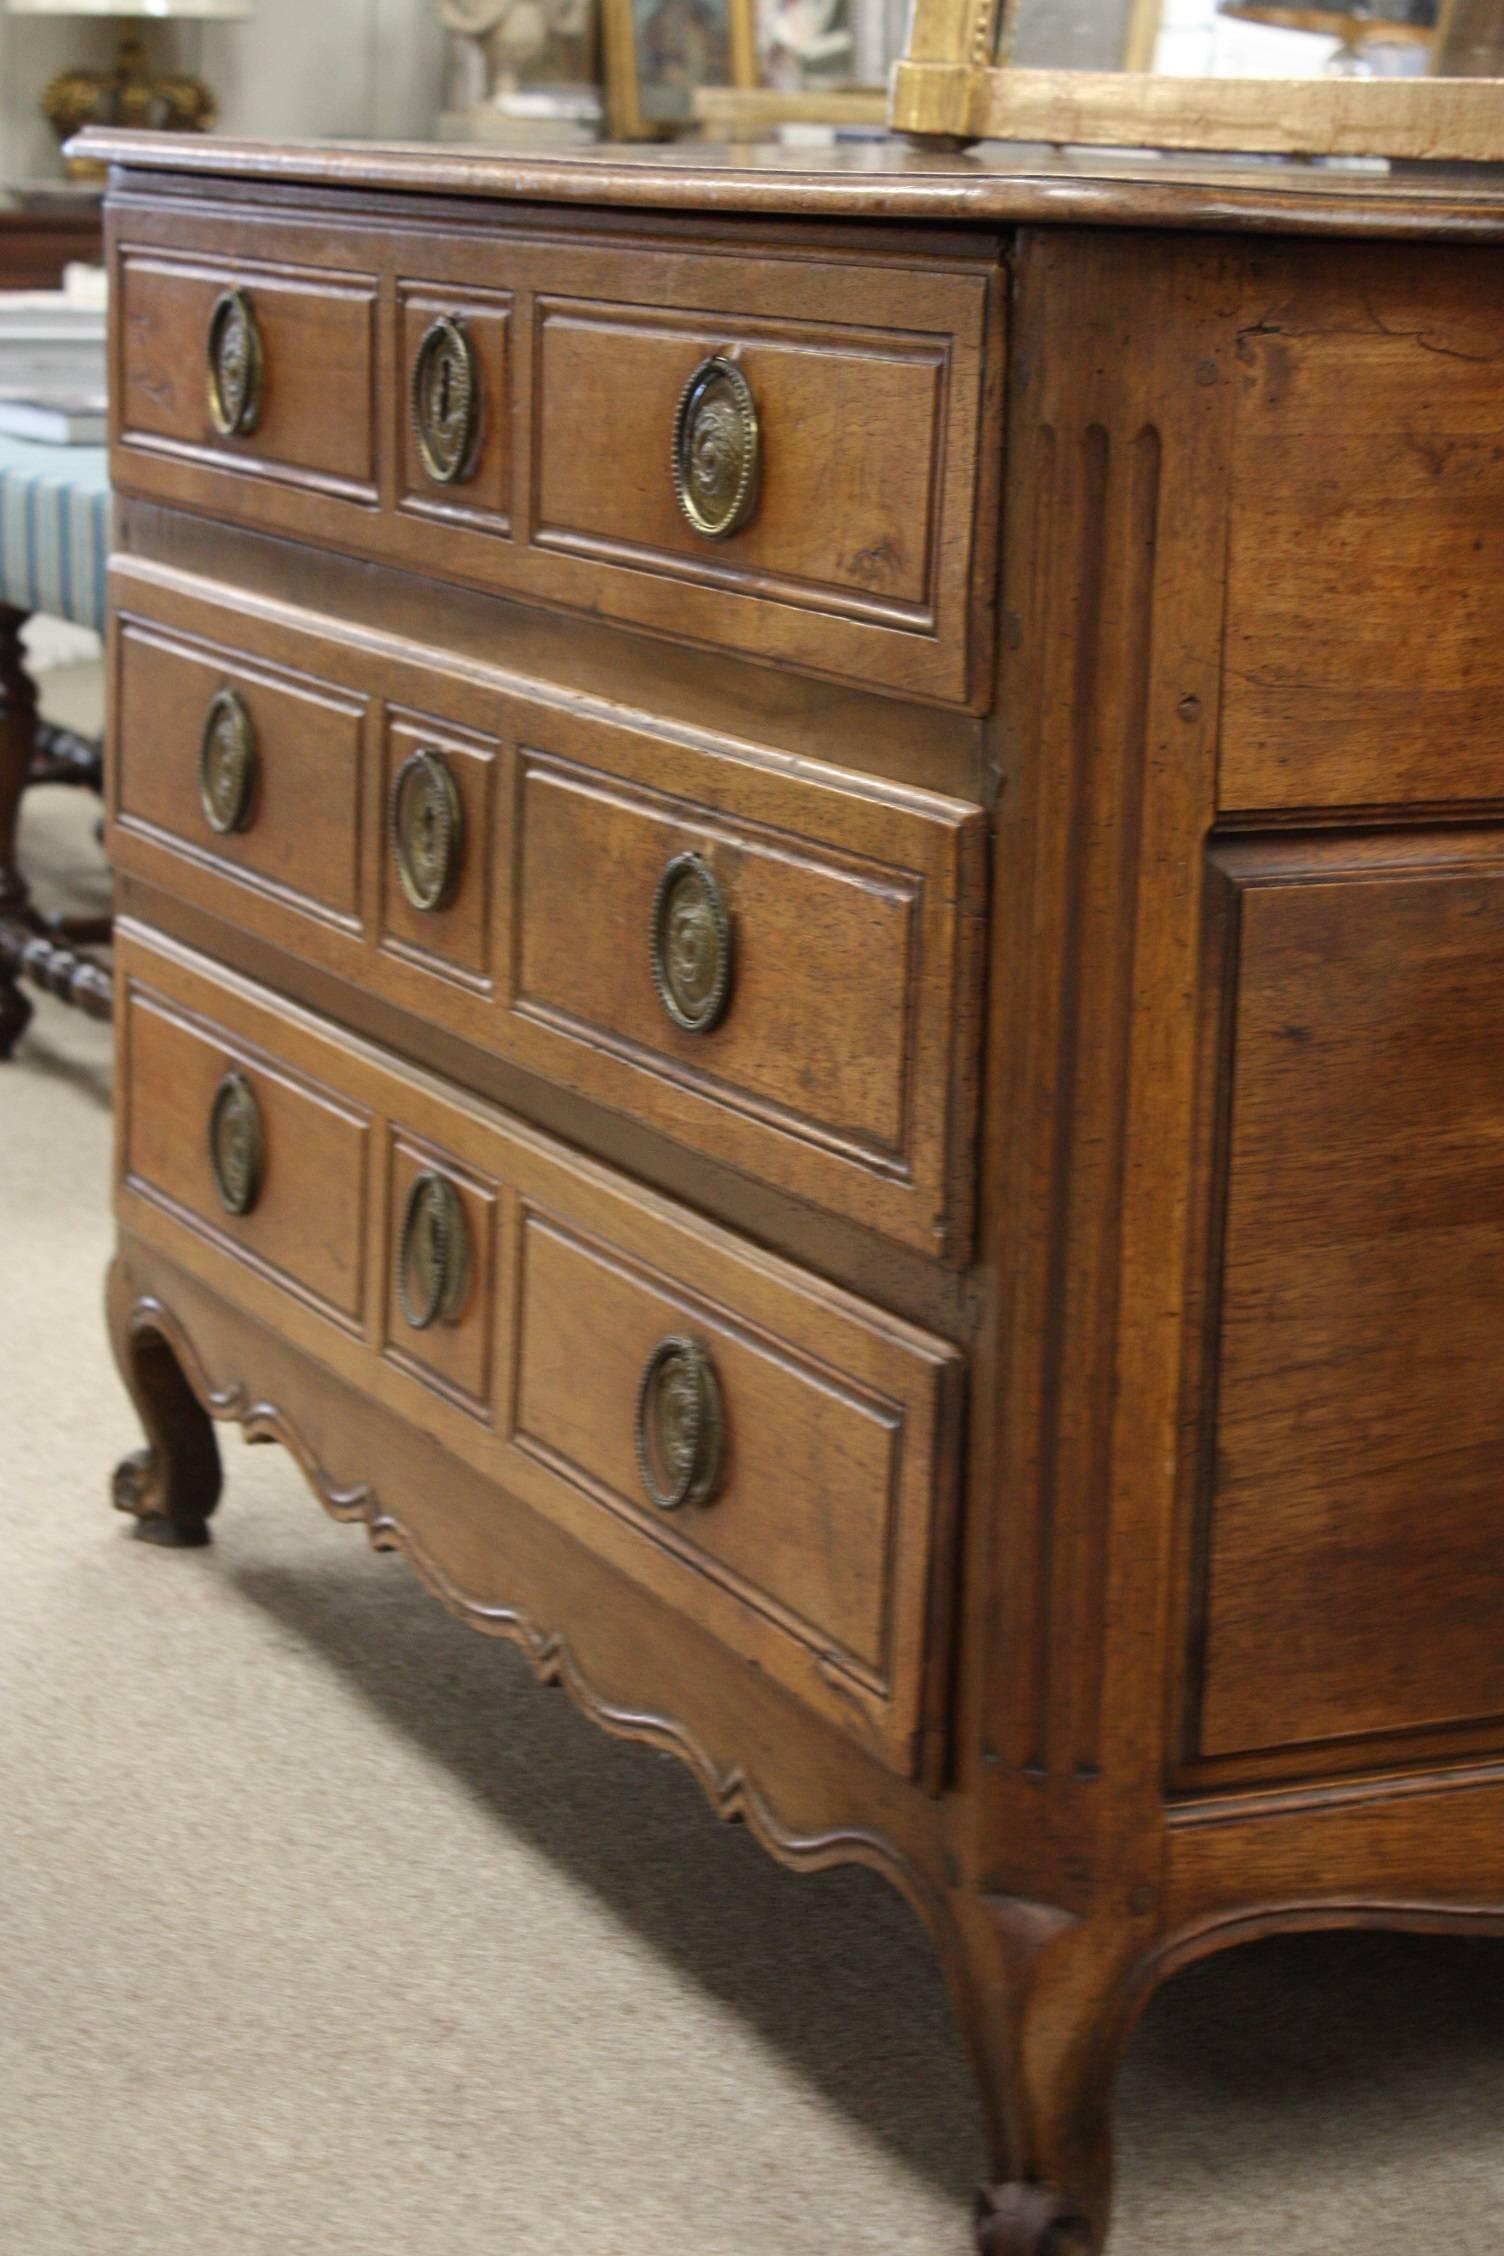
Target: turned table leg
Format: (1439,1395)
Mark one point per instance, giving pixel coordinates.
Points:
(18,735)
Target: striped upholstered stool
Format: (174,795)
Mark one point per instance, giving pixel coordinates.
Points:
(54,539)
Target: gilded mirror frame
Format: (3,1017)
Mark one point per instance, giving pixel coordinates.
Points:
(955,82)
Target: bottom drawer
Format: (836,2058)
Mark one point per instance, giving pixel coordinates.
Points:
(772,1456)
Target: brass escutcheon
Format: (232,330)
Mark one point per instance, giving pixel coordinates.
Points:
(227,763)
(428,830)
(680,1425)
(717,449)
(690,944)
(445,401)
(237,1147)
(433,1254)
(236,366)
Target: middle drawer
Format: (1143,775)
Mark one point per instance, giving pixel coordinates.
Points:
(777,966)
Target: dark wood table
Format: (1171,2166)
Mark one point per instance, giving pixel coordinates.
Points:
(40,233)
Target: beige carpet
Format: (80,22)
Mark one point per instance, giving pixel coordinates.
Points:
(323,1930)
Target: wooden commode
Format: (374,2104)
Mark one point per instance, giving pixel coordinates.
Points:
(811,991)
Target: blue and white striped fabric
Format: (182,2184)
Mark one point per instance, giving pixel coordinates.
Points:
(54,529)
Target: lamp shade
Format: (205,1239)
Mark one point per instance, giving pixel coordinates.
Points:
(201,11)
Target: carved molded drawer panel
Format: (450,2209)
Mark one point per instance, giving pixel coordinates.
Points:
(253,1156)
(777,455)
(243,767)
(455,351)
(814,1497)
(769,1454)
(754,966)
(265,370)
(848,444)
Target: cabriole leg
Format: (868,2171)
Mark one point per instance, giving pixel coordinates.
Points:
(170,1487)
(1047,2003)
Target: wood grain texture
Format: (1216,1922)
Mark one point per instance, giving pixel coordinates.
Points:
(853,435)
(1358,1434)
(713,693)
(483,496)
(317,1155)
(300,846)
(846,1062)
(867,554)
(997,186)
(1423,1852)
(1363,665)
(831,1540)
(315,431)
(456,942)
(457,1355)
(823,950)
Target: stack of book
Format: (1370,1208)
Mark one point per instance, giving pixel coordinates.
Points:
(52,366)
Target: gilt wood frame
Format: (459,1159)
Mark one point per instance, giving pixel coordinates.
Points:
(949,87)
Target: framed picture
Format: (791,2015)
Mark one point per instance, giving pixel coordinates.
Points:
(660,53)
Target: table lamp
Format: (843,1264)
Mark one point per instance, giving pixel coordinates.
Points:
(130,93)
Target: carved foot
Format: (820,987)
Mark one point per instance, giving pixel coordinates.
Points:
(171,1487)
(1046,2001)
(1029,2220)
(139,1487)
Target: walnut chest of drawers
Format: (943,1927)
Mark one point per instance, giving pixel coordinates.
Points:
(811,992)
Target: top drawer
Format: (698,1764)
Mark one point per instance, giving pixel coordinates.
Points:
(792,457)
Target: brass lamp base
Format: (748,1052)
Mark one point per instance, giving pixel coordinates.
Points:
(127,95)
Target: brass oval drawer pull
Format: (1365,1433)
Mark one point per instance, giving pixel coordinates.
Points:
(680,1425)
(690,944)
(445,401)
(237,366)
(227,763)
(717,449)
(433,1252)
(237,1144)
(428,830)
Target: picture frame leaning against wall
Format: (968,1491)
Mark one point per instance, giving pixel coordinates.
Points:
(1403,79)
(659,54)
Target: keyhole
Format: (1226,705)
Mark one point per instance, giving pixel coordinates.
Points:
(445,377)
